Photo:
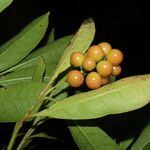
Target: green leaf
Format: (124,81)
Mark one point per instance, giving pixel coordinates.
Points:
(43,135)
(51,52)
(23,43)
(91,138)
(51,36)
(22,75)
(80,42)
(15,100)
(24,72)
(59,46)
(121,96)
(125,144)
(61,95)
(4,4)
(39,71)
(143,142)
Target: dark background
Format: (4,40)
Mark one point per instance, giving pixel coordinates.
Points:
(124,24)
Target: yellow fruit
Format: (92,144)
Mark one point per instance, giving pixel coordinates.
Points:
(76,59)
(115,56)
(95,52)
(106,47)
(75,78)
(93,80)
(116,70)
(88,64)
(104,68)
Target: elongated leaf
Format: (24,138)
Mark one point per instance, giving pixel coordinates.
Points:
(51,54)
(125,144)
(43,135)
(51,36)
(92,138)
(121,96)
(50,51)
(80,42)
(143,142)
(4,4)
(39,71)
(15,100)
(23,43)
(21,75)
(59,45)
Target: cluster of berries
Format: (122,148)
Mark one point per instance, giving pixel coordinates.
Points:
(96,66)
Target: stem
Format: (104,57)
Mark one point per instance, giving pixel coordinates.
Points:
(30,131)
(20,123)
(13,138)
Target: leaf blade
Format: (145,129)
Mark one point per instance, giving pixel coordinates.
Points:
(56,49)
(42,135)
(91,138)
(23,43)
(39,71)
(51,36)
(4,4)
(80,42)
(143,142)
(15,100)
(114,98)
(25,70)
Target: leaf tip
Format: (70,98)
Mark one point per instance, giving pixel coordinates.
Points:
(88,21)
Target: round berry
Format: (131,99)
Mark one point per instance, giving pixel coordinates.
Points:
(106,47)
(85,55)
(104,68)
(115,56)
(116,70)
(75,78)
(105,80)
(93,80)
(88,64)
(95,52)
(76,59)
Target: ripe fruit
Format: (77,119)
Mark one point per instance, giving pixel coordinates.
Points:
(104,68)
(95,52)
(105,80)
(76,59)
(93,80)
(85,55)
(75,78)
(115,56)
(88,64)
(106,47)
(116,70)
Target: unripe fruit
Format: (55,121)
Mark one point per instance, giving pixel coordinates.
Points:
(105,80)
(93,80)
(106,47)
(116,70)
(76,59)
(104,68)
(75,78)
(88,64)
(115,56)
(95,52)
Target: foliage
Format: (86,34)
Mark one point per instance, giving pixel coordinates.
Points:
(34,91)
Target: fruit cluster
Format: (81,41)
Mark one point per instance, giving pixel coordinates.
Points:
(96,66)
